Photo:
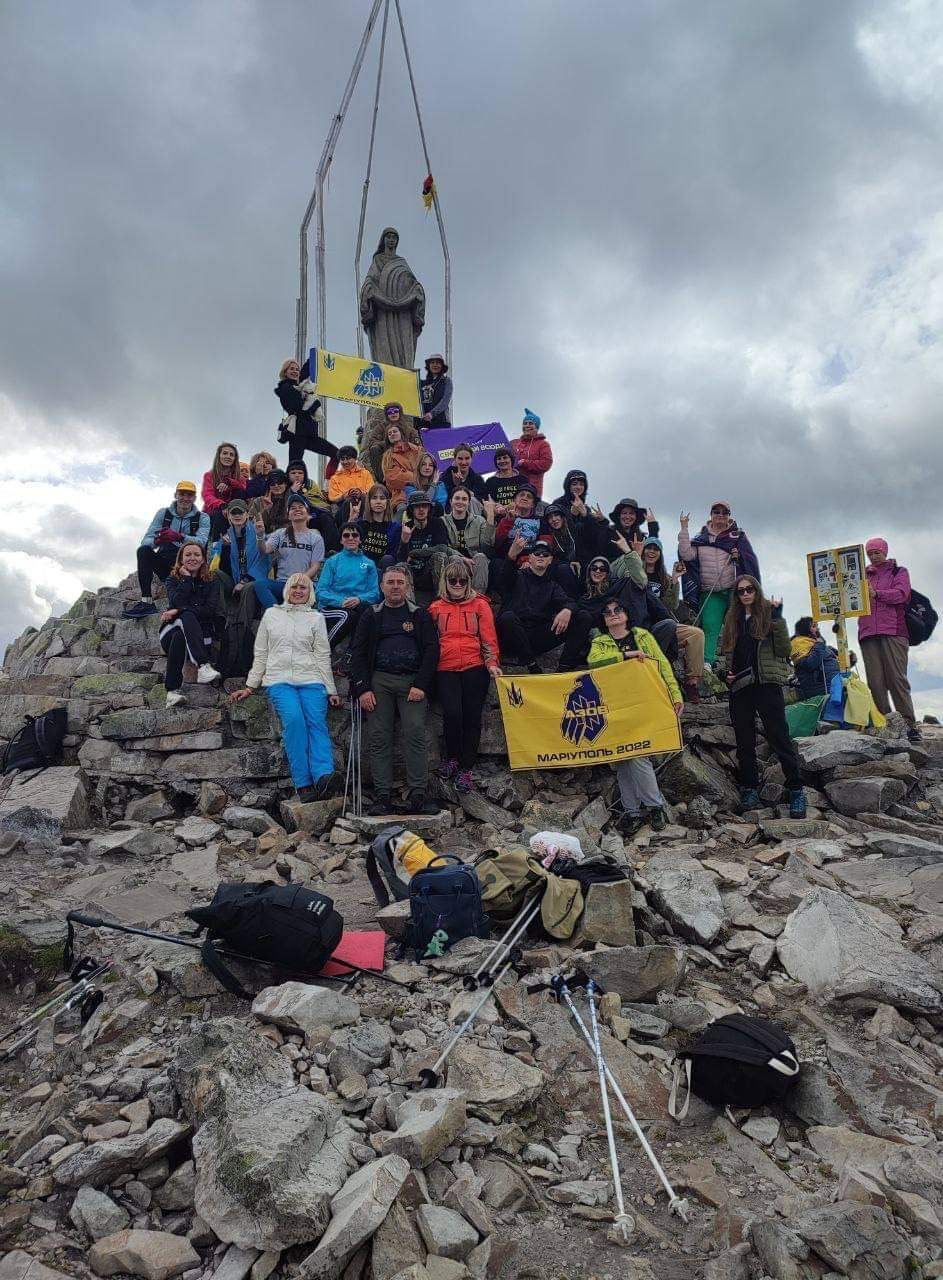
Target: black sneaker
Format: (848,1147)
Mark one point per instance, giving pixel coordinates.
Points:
(306,794)
(143,609)
(534,669)
(658,819)
(630,824)
(322,787)
(381,807)
(417,803)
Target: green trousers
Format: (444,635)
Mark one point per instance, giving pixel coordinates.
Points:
(390,692)
(712,621)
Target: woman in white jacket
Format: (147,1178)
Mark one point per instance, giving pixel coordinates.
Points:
(293,664)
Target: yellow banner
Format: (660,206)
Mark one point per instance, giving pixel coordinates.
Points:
(362,381)
(587,717)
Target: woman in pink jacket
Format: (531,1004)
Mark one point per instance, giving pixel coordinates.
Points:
(223,482)
(532,454)
(882,634)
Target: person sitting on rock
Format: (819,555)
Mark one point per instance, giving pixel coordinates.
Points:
(532,453)
(460,472)
(375,443)
(223,482)
(292,663)
(503,486)
(379,532)
(537,616)
(753,657)
(631,524)
(321,515)
(587,523)
(350,476)
(394,656)
(555,529)
(641,796)
(714,558)
(435,392)
(423,544)
(261,466)
(300,428)
(157,554)
(242,563)
(814,662)
(273,504)
(347,583)
(620,581)
(468,659)
(427,482)
(189,624)
(471,537)
(295,549)
(883,635)
(398,464)
(667,588)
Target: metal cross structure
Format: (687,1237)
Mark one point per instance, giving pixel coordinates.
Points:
(316,202)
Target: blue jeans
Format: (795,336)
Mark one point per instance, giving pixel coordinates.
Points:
(270,591)
(302,709)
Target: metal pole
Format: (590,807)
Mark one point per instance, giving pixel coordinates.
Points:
(435,195)
(624,1224)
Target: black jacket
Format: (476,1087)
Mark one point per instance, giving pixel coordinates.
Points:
(363,650)
(642,607)
(434,534)
(436,395)
(199,598)
(472,481)
(535,601)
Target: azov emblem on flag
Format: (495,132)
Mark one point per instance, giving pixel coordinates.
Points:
(370,382)
(584,713)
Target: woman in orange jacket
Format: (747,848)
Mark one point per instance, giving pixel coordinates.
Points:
(468,656)
(399,464)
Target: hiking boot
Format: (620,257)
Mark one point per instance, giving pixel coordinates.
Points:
(306,794)
(750,798)
(143,609)
(534,669)
(914,735)
(797,805)
(657,819)
(692,691)
(448,769)
(464,782)
(175,699)
(630,824)
(381,807)
(416,803)
(322,787)
(206,674)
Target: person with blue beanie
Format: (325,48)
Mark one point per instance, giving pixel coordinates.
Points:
(533,456)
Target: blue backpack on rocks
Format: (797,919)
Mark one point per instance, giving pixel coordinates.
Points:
(444,907)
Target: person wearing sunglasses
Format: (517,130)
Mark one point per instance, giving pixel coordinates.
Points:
(642,801)
(713,558)
(754,659)
(468,658)
(347,582)
(538,616)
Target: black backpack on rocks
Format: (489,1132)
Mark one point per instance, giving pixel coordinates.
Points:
(737,1061)
(289,926)
(38,744)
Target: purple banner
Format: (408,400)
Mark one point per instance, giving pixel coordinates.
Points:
(482,440)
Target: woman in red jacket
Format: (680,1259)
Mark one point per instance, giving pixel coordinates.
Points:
(532,452)
(468,656)
(221,484)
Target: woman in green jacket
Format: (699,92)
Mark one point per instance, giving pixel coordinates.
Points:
(754,658)
(642,800)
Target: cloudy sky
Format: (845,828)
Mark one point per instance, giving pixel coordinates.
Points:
(704,242)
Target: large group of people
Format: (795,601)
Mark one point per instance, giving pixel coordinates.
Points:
(419,579)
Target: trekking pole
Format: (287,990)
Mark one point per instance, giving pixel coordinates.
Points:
(624,1225)
(353,779)
(82,979)
(429,1077)
(505,946)
(560,988)
(84,993)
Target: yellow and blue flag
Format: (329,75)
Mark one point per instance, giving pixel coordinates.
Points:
(602,716)
(360,380)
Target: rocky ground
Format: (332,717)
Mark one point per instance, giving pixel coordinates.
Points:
(183,1132)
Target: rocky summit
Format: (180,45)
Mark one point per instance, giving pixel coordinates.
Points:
(181,1131)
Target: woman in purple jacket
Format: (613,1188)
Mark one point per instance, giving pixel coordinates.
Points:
(882,633)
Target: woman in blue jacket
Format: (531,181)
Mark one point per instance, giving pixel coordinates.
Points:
(242,562)
(348,581)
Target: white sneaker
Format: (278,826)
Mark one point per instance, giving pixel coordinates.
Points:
(175,698)
(206,674)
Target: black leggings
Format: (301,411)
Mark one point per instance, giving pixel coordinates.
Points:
(765,701)
(181,639)
(462,695)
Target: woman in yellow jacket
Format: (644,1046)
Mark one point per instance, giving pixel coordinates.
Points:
(642,800)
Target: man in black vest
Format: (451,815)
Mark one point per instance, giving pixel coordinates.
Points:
(171,526)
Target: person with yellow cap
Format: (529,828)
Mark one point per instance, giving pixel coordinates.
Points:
(170,528)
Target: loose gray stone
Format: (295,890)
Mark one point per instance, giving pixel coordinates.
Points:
(494,1083)
(299,1006)
(843,746)
(103,1162)
(427,1123)
(97,1214)
(445,1232)
(687,896)
(255,821)
(636,973)
(356,1211)
(155,1255)
(852,796)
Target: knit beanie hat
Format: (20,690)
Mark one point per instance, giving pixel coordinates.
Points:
(530,416)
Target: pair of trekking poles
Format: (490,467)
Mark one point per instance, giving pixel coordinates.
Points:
(84,994)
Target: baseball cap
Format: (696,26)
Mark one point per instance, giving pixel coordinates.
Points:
(185,486)
(540,546)
(236,506)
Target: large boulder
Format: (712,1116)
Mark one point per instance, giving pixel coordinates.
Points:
(495,1084)
(852,796)
(636,973)
(840,948)
(427,1122)
(892,845)
(831,750)
(686,776)
(301,1006)
(357,1211)
(50,802)
(687,896)
(155,1255)
(270,1154)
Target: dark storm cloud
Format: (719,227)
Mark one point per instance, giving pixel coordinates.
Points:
(697,238)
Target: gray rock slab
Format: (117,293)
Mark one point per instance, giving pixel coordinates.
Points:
(427,1123)
(357,1210)
(495,1084)
(58,795)
(155,1255)
(300,1006)
(852,796)
(636,973)
(840,747)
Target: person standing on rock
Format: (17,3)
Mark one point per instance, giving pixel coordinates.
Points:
(157,553)
(885,644)
(292,663)
(190,622)
(714,557)
(468,659)
(533,456)
(435,391)
(302,430)
(754,658)
(641,796)
(394,655)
